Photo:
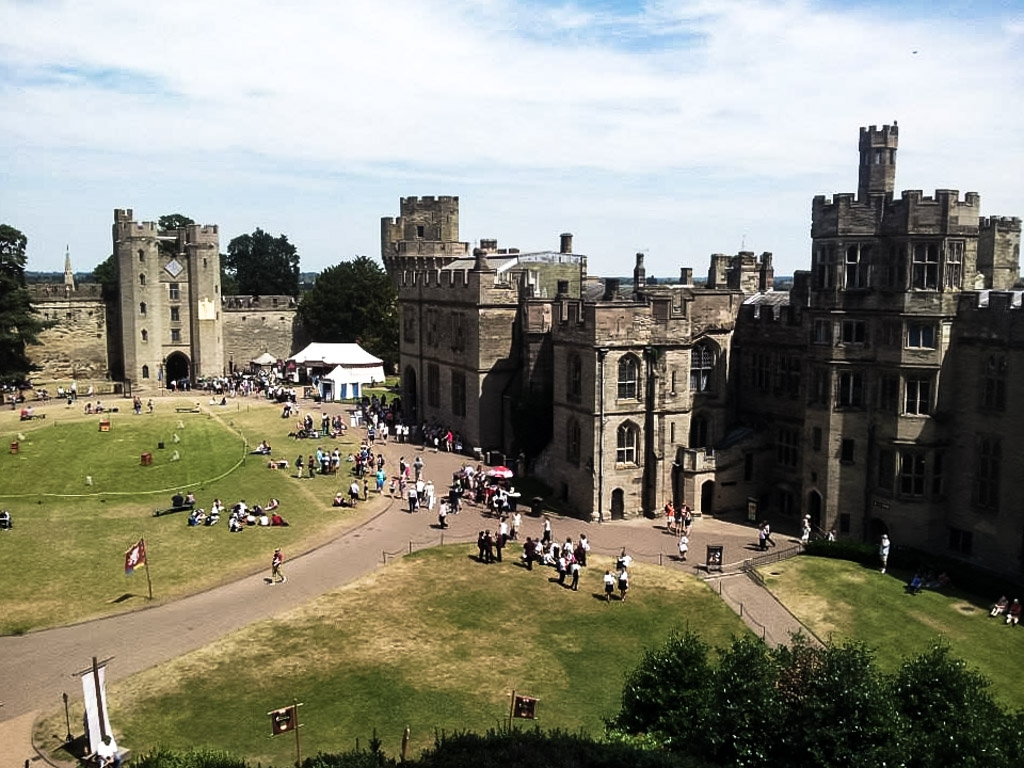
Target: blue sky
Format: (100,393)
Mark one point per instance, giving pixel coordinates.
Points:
(678,128)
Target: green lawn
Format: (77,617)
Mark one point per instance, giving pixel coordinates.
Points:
(846,601)
(435,641)
(80,497)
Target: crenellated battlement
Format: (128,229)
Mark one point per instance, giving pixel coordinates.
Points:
(846,215)
(44,292)
(1002,223)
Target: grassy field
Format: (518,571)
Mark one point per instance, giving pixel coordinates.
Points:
(846,601)
(80,497)
(434,641)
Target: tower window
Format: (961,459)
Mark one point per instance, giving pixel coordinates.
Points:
(175,335)
(917,396)
(142,255)
(420,231)
(175,314)
(142,308)
(851,389)
(954,264)
(921,336)
(925,267)
(993,386)
(142,279)
(572,441)
(626,441)
(702,365)
(575,383)
(174,291)
(628,374)
(911,474)
(145,335)
(145,371)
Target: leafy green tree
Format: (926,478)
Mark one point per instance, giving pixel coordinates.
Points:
(106,274)
(173,221)
(354,301)
(669,692)
(20,324)
(949,716)
(841,713)
(263,265)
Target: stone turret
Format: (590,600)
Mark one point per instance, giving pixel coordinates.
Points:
(877,161)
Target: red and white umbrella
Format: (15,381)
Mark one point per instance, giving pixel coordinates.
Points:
(502,472)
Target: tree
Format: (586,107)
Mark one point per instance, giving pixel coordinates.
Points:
(106,274)
(354,301)
(19,322)
(262,264)
(172,221)
(805,705)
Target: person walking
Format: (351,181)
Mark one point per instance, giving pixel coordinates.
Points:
(298,466)
(276,575)
(575,570)
(883,551)
(609,586)
(684,546)
(623,583)
(805,533)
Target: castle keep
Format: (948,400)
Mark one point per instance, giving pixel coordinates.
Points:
(875,396)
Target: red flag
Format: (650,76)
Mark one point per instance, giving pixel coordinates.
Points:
(524,707)
(135,557)
(282,720)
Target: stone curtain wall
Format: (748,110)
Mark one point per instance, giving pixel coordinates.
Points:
(76,345)
(249,331)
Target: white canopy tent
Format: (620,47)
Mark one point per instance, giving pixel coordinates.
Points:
(341,370)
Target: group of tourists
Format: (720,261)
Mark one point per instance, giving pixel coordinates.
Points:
(1011,610)
(242,516)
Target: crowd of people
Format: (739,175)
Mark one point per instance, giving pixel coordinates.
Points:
(242,516)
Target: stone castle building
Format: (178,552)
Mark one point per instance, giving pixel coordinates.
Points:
(168,320)
(876,395)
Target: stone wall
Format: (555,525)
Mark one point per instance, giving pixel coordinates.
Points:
(76,345)
(250,332)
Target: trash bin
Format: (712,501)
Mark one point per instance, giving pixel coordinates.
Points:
(536,506)
(147,459)
(104,425)
(15,447)
(160,445)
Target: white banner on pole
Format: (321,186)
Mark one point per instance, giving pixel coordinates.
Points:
(93,708)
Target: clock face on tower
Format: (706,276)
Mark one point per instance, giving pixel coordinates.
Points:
(174,268)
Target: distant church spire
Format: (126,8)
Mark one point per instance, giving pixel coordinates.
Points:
(69,276)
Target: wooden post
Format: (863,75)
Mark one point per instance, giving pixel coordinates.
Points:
(149,581)
(99,698)
(511,709)
(298,752)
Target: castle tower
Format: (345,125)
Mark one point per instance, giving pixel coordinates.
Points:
(877,161)
(169,288)
(69,276)
(424,236)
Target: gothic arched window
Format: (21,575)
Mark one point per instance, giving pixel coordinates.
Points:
(702,368)
(629,375)
(626,440)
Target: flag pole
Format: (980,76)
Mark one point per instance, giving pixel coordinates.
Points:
(149,582)
(99,699)
(298,754)
(511,709)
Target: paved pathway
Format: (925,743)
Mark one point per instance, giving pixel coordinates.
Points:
(37,667)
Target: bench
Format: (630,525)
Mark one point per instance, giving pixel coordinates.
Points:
(187,409)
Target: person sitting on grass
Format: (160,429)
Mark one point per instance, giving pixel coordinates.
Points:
(277,521)
(1013,613)
(1000,606)
(916,584)
(339,500)
(5,520)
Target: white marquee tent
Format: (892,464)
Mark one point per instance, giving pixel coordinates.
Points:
(341,370)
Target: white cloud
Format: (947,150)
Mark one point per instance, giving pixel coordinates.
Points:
(695,116)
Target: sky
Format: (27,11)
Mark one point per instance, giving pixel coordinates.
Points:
(675,128)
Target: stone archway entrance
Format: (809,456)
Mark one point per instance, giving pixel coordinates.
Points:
(618,504)
(814,509)
(177,369)
(707,497)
